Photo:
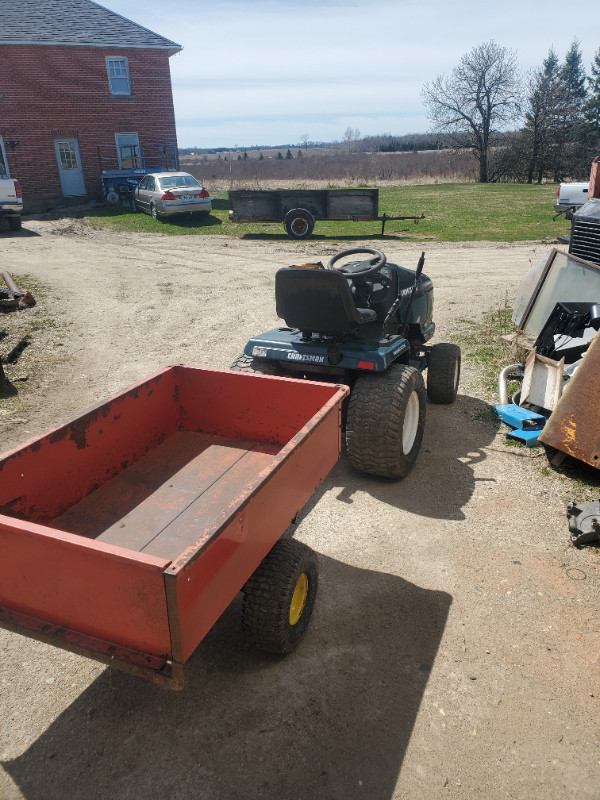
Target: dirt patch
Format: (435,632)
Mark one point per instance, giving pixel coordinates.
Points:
(454,647)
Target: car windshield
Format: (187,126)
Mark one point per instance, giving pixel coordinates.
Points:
(178,181)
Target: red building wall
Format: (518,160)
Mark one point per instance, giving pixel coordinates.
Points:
(48,92)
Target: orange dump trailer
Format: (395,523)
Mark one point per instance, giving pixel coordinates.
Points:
(126,532)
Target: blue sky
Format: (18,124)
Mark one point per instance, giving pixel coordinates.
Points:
(269,71)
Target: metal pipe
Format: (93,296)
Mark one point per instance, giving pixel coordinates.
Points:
(503,382)
(8,280)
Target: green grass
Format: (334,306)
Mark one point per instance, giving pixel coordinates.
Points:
(482,343)
(461,212)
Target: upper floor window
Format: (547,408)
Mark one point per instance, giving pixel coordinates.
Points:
(118,75)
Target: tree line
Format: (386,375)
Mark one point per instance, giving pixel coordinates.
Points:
(557,104)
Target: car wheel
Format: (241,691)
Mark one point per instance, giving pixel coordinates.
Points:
(154,213)
(14,223)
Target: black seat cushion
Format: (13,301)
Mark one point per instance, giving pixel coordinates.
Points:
(318,300)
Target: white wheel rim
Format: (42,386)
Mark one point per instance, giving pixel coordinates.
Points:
(411,423)
(456,376)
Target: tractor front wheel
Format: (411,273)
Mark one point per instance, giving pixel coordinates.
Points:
(385,421)
(443,373)
(279,597)
(262,366)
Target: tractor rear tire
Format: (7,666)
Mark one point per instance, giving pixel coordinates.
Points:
(443,373)
(261,366)
(385,421)
(279,597)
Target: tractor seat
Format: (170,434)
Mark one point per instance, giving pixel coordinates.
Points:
(318,301)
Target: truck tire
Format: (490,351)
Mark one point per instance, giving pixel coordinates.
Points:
(261,366)
(443,373)
(14,223)
(299,223)
(279,597)
(385,421)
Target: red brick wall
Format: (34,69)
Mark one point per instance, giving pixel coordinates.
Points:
(48,92)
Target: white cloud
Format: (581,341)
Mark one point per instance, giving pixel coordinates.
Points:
(320,63)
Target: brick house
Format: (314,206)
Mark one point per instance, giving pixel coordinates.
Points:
(82,89)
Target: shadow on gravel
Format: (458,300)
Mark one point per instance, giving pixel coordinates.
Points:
(442,481)
(330,721)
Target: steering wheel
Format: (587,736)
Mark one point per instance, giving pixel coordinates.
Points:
(359,269)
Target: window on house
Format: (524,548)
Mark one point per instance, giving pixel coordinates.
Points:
(128,150)
(3,164)
(118,75)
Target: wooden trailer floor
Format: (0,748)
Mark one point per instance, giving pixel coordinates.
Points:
(163,502)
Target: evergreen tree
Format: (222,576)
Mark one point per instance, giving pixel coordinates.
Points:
(592,105)
(543,117)
(289,155)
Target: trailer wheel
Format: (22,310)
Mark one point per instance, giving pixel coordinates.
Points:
(299,224)
(280,596)
(385,421)
(443,373)
(14,223)
(262,366)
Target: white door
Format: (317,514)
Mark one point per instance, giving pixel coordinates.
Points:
(128,150)
(69,167)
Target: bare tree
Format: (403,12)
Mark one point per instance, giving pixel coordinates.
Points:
(481,95)
(351,137)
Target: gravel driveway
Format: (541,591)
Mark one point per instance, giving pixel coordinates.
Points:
(454,648)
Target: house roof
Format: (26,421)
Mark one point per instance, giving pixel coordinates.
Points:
(74,22)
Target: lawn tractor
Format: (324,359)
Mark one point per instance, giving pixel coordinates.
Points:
(364,323)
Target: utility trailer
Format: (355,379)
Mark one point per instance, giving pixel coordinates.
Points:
(126,532)
(300,209)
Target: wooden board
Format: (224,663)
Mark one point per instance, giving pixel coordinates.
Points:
(163,502)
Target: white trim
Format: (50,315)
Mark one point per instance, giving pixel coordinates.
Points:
(126,76)
(137,143)
(4,158)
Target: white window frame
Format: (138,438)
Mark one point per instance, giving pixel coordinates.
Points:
(4,160)
(125,75)
(135,144)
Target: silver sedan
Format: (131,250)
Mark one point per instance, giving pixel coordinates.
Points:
(164,194)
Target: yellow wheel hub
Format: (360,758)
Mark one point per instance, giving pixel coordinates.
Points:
(299,599)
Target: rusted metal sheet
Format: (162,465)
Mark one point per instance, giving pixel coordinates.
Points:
(542,381)
(574,425)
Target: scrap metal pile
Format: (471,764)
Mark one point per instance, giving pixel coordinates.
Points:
(11,299)
(557,313)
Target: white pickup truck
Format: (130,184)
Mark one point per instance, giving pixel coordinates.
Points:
(11,202)
(570,197)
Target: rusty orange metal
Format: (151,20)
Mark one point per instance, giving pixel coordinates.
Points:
(574,425)
(126,532)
